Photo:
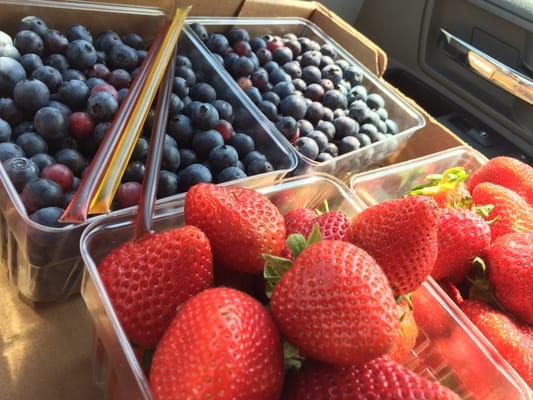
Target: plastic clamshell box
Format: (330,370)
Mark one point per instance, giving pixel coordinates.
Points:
(44,263)
(120,375)
(408,119)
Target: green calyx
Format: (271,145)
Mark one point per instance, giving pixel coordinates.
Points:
(275,266)
(436,183)
(292,359)
(484,212)
(324,208)
(408,299)
(481,288)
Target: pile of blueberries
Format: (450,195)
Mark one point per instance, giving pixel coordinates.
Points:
(317,102)
(58,95)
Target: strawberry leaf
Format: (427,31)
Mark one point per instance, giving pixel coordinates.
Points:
(296,244)
(274,269)
(436,183)
(315,236)
(292,359)
(324,208)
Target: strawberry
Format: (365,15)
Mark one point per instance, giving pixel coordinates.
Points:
(222,344)
(511,338)
(462,236)
(452,291)
(335,304)
(146,280)
(241,225)
(447,189)
(333,225)
(405,339)
(381,378)
(508,172)
(429,315)
(511,212)
(401,235)
(299,220)
(511,273)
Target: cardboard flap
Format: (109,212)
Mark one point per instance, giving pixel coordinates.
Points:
(276,8)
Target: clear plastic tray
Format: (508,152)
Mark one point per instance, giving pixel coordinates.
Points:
(407,118)
(44,263)
(120,375)
(394,181)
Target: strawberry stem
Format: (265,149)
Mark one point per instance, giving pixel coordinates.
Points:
(292,359)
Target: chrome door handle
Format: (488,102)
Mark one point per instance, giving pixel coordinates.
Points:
(499,74)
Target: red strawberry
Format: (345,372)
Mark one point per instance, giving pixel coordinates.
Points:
(462,236)
(512,212)
(429,315)
(299,220)
(333,225)
(335,304)
(452,291)
(447,189)
(405,339)
(401,235)
(241,225)
(512,339)
(381,378)
(508,172)
(511,273)
(222,344)
(148,279)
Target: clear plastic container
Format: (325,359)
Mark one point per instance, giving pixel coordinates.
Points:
(407,118)
(120,375)
(44,263)
(394,181)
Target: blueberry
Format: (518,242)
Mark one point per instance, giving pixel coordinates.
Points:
(293,106)
(122,57)
(119,78)
(65,110)
(181,129)
(192,175)
(347,144)
(325,61)
(218,43)
(363,139)
(265,58)
(187,157)
(334,99)
(202,92)
(71,74)
(10,52)
(58,61)
(186,73)
(314,92)
(242,48)
(167,184)
(345,126)
(31,143)
(327,128)
(327,84)
(74,94)
(300,85)
(328,115)
(315,112)
(10,112)
(308,44)
(271,66)
(222,157)
(320,138)
(253,156)
(28,42)
(243,143)
(288,126)
(55,42)
(39,193)
(230,174)
(278,75)
(372,118)
(10,150)
(48,216)
(140,150)
(34,24)
(92,82)
(359,93)
(225,110)
(368,129)
(323,157)
(383,114)
(332,149)
(76,32)
(5,131)
(50,76)
(311,74)
(100,57)
(358,110)
(272,97)
(382,126)
(333,73)
(171,158)
(200,31)
(31,94)
(257,43)
(81,54)
(72,159)
(243,66)
(269,109)
(100,130)
(343,64)
(141,55)
(42,160)
(30,62)
(338,112)
(259,166)
(295,46)
(170,141)
(204,116)
(102,106)
(259,79)
(229,60)
(283,89)
(307,146)
(182,60)
(24,126)
(20,171)
(11,72)
(180,86)
(392,127)
(106,40)
(204,142)
(311,58)
(375,101)
(282,55)
(305,127)
(354,75)
(134,172)
(237,34)
(133,40)
(254,94)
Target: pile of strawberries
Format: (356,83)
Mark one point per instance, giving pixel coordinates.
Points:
(245,303)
